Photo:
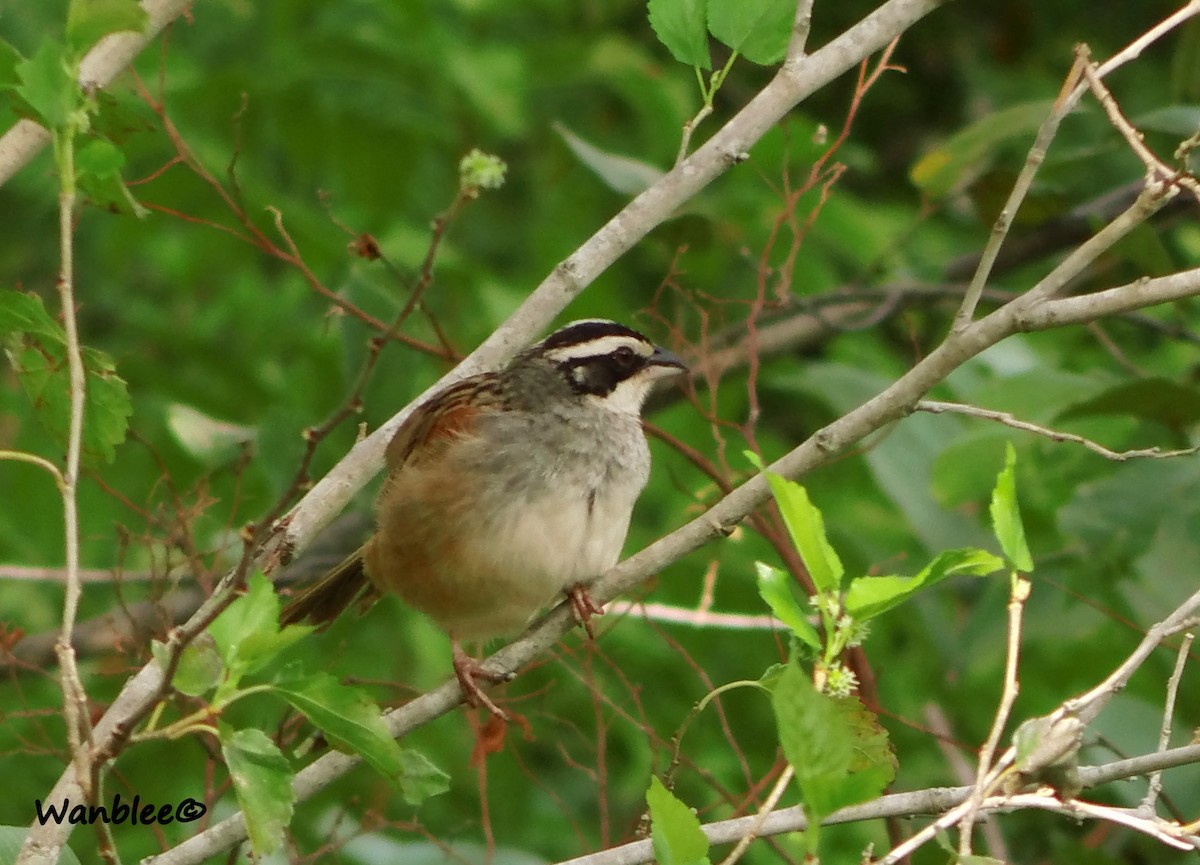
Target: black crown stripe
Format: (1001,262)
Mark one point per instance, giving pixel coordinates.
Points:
(581,332)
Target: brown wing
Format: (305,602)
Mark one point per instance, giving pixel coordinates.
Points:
(446,413)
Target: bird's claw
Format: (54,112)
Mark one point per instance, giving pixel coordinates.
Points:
(583,607)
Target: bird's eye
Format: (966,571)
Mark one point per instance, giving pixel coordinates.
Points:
(625,357)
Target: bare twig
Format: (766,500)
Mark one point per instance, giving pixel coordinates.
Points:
(1063,106)
(1139,294)
(1134,49)
(1088,705)
(743,844)
(1161,830)
(34,460)
(1154,165)
(1164,733)
(1068,97)
(802,24)
(697,618)
(1009,419)
(938,724)
(26,573)
(986,773)
(79,730)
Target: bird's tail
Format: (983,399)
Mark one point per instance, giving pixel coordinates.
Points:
(322,602)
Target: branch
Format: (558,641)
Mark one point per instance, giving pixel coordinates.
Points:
(987,771)
(110,55)
(1135,139)
(1138,294)
(1069,95)
(1164,732)
(1067,98)
(1062,232)
(1009,419)
(934,800)
(1087,706)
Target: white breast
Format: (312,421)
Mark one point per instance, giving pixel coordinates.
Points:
(549,508)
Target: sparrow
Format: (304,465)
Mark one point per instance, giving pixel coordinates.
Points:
(506,490)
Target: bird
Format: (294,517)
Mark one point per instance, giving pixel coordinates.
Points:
(507,489)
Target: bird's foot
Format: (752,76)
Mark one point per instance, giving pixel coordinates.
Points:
(469,671)
(584,607)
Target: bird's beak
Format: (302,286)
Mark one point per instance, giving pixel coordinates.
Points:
(670,362)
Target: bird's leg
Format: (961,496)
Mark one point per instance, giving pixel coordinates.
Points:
(584,607)
(469,671)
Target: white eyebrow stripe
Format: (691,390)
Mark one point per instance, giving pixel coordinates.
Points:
(599,346)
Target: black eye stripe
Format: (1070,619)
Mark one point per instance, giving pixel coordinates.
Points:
(600,374)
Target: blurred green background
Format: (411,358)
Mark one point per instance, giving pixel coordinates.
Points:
(351,117)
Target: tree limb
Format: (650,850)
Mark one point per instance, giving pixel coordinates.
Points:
(934,800)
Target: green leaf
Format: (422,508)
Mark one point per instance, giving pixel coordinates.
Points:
(100,158)
(89,20)
(352,721)
(871,744)
(21,312)
(1156,399)
(420,778)
(9,78)
(965,471)
(48,86)
(247,633)
(674,828)
(98,165)
(619,173)
(199,668)
(759,30)
(262,781)
(966,155)
(108,406)
(775,587)
(867,597)
(45,377)
(837,749)
(814,738)
(1181,120)
(874,763)
(807,529)
(681,26)
(1006,515)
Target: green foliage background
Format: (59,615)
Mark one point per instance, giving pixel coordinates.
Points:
(359,111)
